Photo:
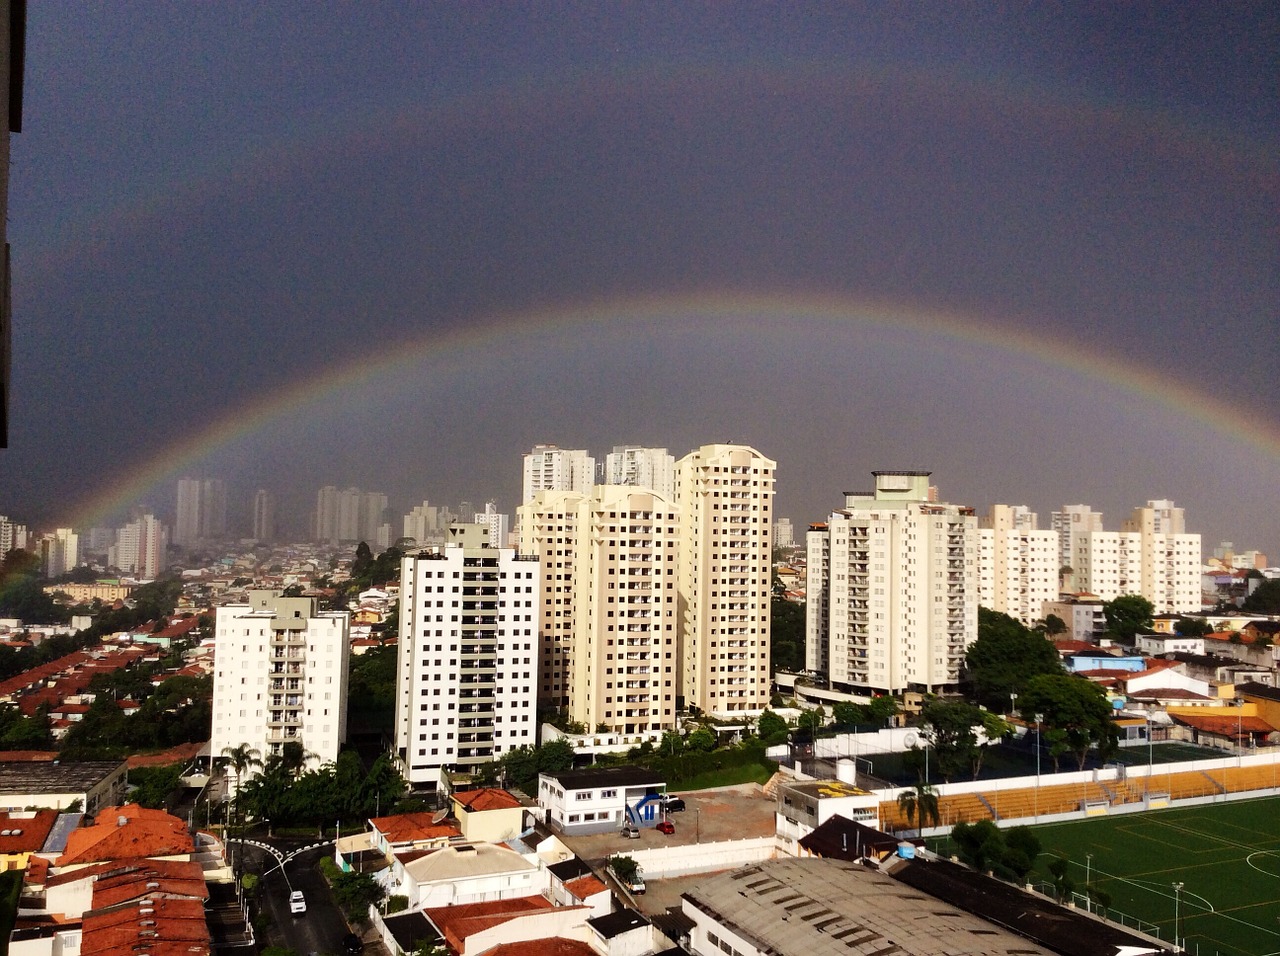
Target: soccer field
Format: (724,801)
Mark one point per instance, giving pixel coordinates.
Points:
(1225,855)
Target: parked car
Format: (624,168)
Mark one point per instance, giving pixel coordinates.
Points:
(352,945)
(667,827)
(672,804)
(630,832)
(297,903)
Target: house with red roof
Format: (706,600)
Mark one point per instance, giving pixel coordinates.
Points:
(411,831)
(469,929)
(23,833)
(128,832)
(488,814)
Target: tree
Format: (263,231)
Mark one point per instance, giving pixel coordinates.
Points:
(354,892)
(1263,599)
(771,728)
(921,799)
(1127,615)
(624,867)
(1054,625)
(1076,712)
(882,708)
(241,758)
(701,739)
(1063,885)
(812,721)
(846,713)
(950,728)
(786,635)
(1009,855)
(1191,626)
(1004,657)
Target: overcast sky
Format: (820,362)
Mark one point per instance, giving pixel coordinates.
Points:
(1032,248)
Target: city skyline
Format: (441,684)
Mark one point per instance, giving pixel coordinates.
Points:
(1031,250)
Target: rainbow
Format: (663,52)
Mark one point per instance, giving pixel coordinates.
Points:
(1001,339)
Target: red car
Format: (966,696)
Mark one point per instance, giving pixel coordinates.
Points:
(667,827)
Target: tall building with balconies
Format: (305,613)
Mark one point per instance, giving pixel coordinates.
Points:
(609,604)
(466,677)
(893,588)
(201,511)
(280,676)
(549,468)
(1018,564)
(641,468)
(724,494)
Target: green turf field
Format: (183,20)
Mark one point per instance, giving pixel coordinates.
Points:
(1226,855)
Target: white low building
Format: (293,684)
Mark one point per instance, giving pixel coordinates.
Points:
(465,873)
(596,801)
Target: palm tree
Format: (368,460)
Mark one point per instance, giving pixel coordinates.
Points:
(242,758)
(922,799)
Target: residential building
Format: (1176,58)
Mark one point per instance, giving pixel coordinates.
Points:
(496,524)
(201,512)
(280,676)
(264,516)
(548,468)
(784,535)
(141,548)
(1082,613)
(422,524)
(1071,523)
(1017,563)
(892,588)
(642,468)
(13,536)
(88,785)
(724,494)
(348,515)
(1152,555)
(59,552)
(466,684)
(601,799)
(607,635)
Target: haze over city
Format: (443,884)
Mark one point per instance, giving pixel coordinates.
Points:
(1032,250)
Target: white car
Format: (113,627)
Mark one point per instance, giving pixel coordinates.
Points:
(297,902)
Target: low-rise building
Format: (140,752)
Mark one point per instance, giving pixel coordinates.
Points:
(87,785)
(488,814)
(599,800)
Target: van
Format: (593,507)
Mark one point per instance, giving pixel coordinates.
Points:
(297,903)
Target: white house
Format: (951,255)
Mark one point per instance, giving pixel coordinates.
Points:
(600,800)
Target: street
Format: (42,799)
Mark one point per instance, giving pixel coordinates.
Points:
(322,927)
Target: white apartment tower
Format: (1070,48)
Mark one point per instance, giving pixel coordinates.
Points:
(642,468)
(348,515)
(548,468)
(280,676)
(422,524)
(13,536)
(1072,523)
(466,679)
(497,525)
(141,548)
(893,588)
(608,629)
(59,552)
(1017,563)
(724,494)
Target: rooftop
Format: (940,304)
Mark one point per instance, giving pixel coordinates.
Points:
(32,777)
(486,798)
(607,777)
(615,924)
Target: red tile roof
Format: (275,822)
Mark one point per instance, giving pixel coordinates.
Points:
(167,878)
(556,946)
(1225,725)
(487,798)
(414,827)
(25,832)
(159,927)
(459,921)
(127,832)
(585,886)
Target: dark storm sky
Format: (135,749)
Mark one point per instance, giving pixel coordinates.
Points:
(212,203)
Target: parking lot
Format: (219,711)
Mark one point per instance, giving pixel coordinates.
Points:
(712,816)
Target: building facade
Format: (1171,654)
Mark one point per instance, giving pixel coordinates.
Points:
(264,516)
(141,548)
(892,588)
(466,679)
(1018,564)
(724,494)
(607,645)
(280,676)
(548,468)
(641,468)
(201,511)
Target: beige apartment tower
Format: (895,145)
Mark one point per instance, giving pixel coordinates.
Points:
(608,630)
(892,588)
(725,499)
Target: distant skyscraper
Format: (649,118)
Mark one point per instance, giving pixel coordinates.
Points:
(892,588)
(497,524)
(348,515)
(201,511)
(1073,523)
(59,552)
(141,548)
(548,468)
(12,536)
(724,494)
(422,524)
(642,467)
(784,535)
(264,516)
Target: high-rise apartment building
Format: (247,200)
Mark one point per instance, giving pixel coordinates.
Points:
(201,512)
(141,548)
(13,536)
(422,524)
(642,468)
(497,524)
(280,676)
(1072,523)
(608,564)
(264,516)
(892,588)
(784,535)
(1017,564)
(349,515)
(466,678)
(724,494)
(59,552)
(548,468)
(1152,556)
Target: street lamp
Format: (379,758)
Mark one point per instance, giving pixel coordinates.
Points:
(1177,909)
(1088,871)
(1037,798)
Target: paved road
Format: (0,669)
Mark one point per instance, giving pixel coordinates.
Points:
(319,930)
